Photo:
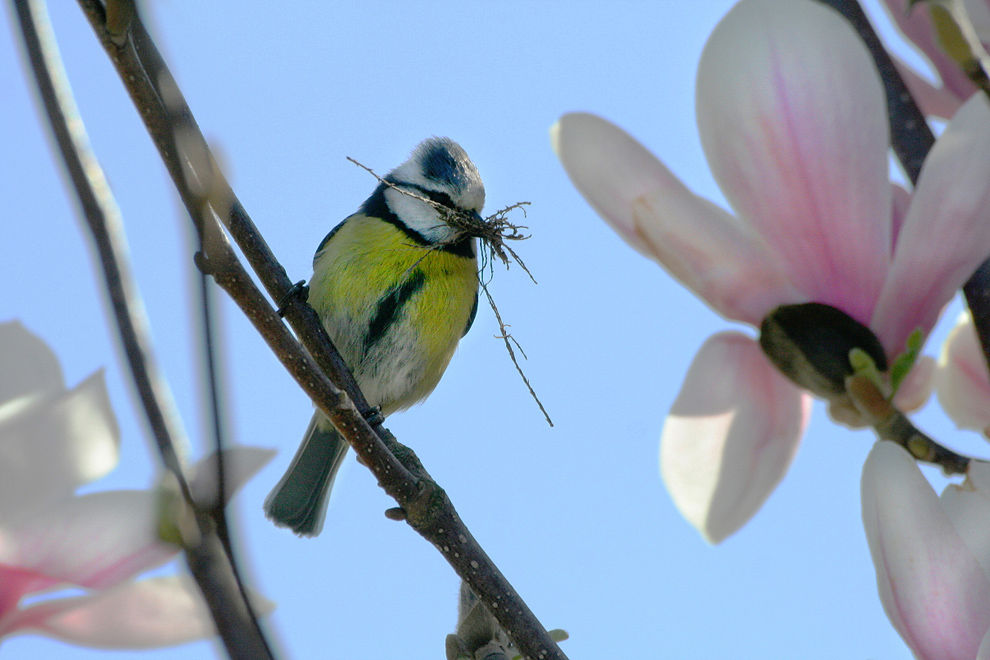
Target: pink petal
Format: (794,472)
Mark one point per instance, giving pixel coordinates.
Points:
(936,101)
(54,443)
(916,24)
(15,583)
(162,611)
(707,250)
(27,365)
(793,122)
(95,541)
(240,464)
(901,203)
(946,234)
(961,382)
(917,386)
(932,588)
(730,435)
(610,169)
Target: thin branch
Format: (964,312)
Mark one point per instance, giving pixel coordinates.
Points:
(207,560)
(424,504)
(912,139)
(891,424)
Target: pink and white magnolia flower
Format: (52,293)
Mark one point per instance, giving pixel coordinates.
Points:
(932,555)
(52,441)
(792,120)
(954,87)
(961,381)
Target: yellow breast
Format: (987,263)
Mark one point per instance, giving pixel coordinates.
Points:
(395,309)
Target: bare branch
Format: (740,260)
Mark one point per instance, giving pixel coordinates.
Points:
(206,558)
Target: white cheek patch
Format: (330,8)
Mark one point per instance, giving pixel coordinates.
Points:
(419,216)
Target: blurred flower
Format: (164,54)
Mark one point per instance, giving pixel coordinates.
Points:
(954,87)
(52,441)
(932,555)
(961,380)
(792,119)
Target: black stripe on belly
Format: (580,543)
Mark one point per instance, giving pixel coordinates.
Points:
(390,307)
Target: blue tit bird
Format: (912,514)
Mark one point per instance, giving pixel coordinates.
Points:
(396,287)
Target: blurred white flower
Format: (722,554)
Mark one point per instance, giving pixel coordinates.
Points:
(932,555)
(52,441)
(961,381)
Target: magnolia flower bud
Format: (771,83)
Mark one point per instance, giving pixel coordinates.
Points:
(810,344)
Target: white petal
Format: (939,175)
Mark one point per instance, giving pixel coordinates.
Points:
(730,435)
(961,382)
(984,652)
(946,234)
(240,464)
(932,588)
(27,365)
(610,169)
(95,541)
(793,122)
(968,507)
(52,444)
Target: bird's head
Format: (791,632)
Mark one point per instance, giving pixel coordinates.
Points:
(439,170)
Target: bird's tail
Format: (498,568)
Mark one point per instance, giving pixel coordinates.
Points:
(299,500)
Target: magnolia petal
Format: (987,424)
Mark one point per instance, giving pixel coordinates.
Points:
(161,611)
(52,444)
(94,541)
(932,588)
(27,365)
(730,435)
(968,508)
(611,169)
(793,122)
(917,385)
(915,23)
(704,247)
(961,382)
(946,234)
(901,199)
(979,16)
(239,464)
(15,583)
(936,101)
(984,652)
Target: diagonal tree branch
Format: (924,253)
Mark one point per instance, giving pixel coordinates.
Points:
(204,190)
(206,557)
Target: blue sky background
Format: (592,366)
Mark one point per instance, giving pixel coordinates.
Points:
(575,516)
